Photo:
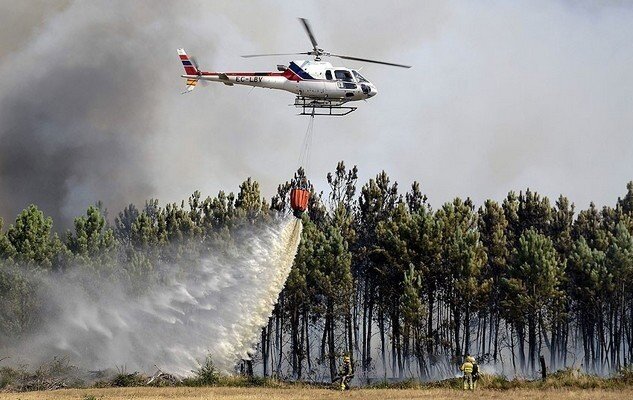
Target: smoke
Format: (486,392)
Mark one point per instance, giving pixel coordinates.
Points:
(91,108)
(213,306)
(72,109)
(501,96)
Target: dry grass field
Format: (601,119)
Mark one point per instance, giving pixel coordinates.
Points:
(228,393)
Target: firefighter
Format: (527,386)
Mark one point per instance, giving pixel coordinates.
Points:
(467,369)
(475,372)
(345,373)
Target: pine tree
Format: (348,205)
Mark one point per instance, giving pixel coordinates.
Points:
(626,203)
(123,223)
(91,238)
(378,197)
(619,261)
(249,201)
(492,228)
(587,273)
(532,285)
(33,242)
(462,258)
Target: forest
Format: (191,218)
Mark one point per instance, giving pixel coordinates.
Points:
(406,289)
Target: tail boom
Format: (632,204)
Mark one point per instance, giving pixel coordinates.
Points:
(287,80)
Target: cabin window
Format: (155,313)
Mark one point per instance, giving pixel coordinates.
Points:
(346,85)
(328,75)
(359,77)
(343,75)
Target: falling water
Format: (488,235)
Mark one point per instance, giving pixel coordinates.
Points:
(216,307)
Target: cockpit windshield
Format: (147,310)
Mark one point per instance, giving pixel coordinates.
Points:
(359,77)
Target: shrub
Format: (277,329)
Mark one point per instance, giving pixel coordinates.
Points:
(123,379)
(9,376)
(403,384)
(205,375)
(625,375)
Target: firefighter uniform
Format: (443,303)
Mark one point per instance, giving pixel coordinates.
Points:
(467,369)
(345,373)
(475,373)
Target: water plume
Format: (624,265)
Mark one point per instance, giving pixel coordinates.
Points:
(215,305)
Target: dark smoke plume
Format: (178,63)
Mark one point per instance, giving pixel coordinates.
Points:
(75,116)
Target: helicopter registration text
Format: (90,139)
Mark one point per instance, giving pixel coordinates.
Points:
(248,79)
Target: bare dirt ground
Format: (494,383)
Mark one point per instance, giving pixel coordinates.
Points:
(313,394)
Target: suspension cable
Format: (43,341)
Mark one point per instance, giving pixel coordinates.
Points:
(304,156)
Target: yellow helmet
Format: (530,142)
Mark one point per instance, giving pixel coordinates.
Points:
(470,359)
(346,359)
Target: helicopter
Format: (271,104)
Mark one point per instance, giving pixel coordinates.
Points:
(320,87)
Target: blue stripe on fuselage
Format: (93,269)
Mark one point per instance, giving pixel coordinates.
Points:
(297,70)
(186,62)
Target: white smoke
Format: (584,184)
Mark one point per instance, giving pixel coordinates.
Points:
(215,307)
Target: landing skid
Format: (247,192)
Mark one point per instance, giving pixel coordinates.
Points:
(331,108)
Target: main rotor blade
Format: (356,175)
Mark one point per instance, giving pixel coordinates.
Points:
(306,26)
(371,61)
(274,54)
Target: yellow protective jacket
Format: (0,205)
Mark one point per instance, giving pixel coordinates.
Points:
(345,370)
(467,367)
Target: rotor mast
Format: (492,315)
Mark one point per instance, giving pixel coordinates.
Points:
(317,52)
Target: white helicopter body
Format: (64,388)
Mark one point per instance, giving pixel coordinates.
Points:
(319,86)
(314,79)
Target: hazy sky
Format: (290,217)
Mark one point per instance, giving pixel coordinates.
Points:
(502,96)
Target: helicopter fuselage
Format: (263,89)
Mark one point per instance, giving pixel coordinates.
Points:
(310,79)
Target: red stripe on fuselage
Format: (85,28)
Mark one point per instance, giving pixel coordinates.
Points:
(291,76)
(183,57)
(244,73)
(288,74)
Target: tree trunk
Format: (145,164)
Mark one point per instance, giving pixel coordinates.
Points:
(266,345)
(279,334)
(331,347)
(429,326)
(456,338)
(467,331)
(381,328)
(532,343)
(350,336)
(307,333)
(301,353)
(520,331)
(294,340)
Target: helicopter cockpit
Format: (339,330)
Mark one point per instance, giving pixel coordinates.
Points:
(359,77)
(344,75)
(367,87)
(351,79)
(345,79)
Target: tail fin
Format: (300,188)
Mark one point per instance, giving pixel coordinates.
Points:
(190,69)
(191,84)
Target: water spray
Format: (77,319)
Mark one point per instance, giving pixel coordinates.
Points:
(213,306)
